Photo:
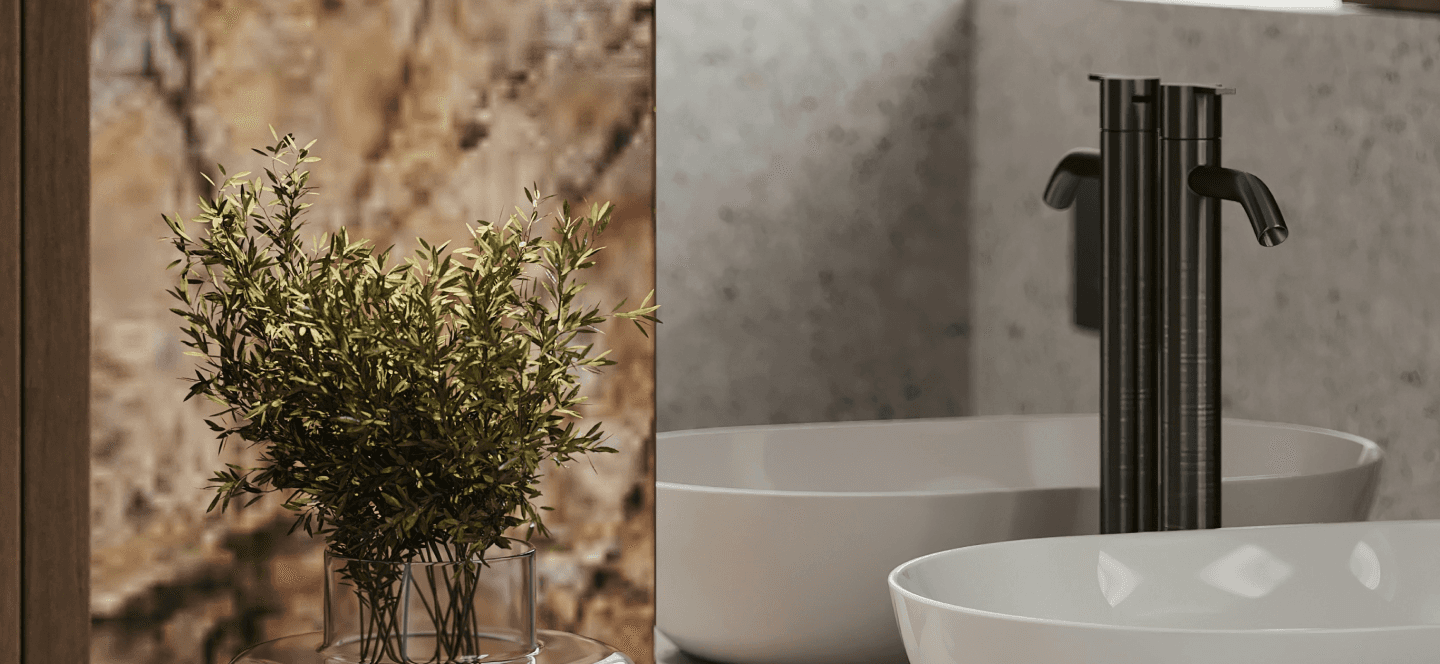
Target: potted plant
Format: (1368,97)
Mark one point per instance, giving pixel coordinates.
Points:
(405,409)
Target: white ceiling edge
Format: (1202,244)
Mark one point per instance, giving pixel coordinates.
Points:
(1303,6)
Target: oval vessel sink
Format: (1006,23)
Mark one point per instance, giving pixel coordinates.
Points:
(773,542)
(1340,593)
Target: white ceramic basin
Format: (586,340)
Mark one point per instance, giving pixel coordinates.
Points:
(773,543)
(1335,593)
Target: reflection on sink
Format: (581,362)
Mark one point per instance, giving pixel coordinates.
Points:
(773,543)
(1304,594)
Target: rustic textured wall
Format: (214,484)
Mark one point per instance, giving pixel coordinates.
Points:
(429,114)
(1334,328)
(811,197)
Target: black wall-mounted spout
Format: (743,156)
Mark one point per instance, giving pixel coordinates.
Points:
(1252,195)
(1078,164)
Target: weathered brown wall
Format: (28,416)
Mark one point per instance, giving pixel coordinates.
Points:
(429,114)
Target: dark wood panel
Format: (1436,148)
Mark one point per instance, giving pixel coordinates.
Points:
(10,331)
(1403,5)
(55,313)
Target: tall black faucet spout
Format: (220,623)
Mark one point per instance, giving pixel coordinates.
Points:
(1250,192)
(1077,165)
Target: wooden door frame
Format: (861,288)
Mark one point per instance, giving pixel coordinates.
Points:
(44,331)
(10,332)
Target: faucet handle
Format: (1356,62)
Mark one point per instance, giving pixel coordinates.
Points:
(1078,164)
(1128,103)
(1191,110)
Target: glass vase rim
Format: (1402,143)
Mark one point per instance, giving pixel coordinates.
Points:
(526,550)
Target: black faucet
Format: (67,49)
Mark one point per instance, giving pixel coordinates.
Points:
(1161,185)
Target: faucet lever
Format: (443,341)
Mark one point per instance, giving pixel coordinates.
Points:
(1076,165)
(1247,190)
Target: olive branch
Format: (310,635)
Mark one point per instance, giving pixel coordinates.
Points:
(406,409)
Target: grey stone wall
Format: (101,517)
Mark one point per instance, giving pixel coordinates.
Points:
(429,114)
(811,192)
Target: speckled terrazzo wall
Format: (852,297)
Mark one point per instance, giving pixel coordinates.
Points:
(1339,326)
(429,114)
(811,194)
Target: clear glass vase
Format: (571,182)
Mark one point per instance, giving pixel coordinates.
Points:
(380,612)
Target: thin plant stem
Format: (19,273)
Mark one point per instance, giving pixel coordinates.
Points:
(405,629)
(433,610)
